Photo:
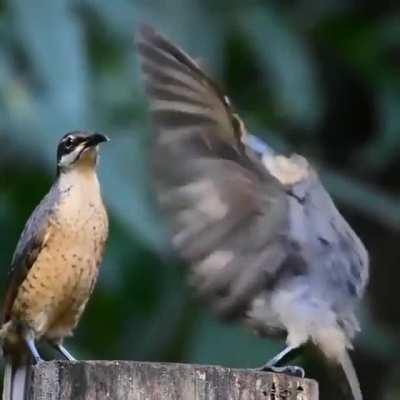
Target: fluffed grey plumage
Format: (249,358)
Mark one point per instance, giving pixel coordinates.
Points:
(264,241)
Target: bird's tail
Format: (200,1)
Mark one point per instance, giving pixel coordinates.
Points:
(15,377)
(351,375)
(334,344)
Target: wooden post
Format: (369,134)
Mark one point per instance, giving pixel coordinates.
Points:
(127,380)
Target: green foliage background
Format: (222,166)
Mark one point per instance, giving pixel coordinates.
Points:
(317,77)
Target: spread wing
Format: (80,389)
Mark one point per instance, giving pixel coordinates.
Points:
(32,240)
(181,95)
(227,214)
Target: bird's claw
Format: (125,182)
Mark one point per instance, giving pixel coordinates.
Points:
(38,360)
(291,370)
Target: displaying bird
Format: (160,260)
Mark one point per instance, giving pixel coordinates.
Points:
(264,241)
(55,264)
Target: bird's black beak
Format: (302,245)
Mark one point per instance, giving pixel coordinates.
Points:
(95,139)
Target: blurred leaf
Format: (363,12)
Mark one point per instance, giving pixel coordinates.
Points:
(287,65)
(382,344)
(365,43)
(118,15)
(192,25)
(51,36)
(367,200)
(386,145)
(125,180)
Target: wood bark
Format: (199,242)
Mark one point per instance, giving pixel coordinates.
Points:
(127,380)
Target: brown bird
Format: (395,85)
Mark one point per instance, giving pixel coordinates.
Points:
(265,243)
(55,264)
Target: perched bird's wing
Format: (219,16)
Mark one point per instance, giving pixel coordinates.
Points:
(227,212)
(32,240)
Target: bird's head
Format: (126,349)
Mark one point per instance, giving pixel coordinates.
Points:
(78,149)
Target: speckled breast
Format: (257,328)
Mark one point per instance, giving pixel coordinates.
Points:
(58,286)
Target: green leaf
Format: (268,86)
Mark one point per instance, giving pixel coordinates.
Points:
(287,64)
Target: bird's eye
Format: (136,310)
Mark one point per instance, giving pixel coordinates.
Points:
(68,142)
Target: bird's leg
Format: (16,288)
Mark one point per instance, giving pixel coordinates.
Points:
(30,342)
(287,353)
(63,351)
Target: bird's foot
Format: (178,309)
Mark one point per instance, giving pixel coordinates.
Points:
(38,360)
(30,341)
(64,352)
(292,370)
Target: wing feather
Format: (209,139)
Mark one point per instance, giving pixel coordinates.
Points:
(32,240)
(184,88)
(228,215)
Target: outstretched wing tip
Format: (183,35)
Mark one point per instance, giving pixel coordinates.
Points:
(144,31)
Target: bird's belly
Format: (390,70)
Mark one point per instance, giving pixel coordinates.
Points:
(56,289)
(300,311)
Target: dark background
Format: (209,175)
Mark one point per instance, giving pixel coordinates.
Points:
(317,77)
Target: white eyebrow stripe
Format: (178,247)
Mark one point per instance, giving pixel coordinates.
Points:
(68,159)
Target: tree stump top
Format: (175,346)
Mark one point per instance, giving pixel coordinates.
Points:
(128,380)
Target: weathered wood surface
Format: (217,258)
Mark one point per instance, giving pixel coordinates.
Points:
(126,380)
